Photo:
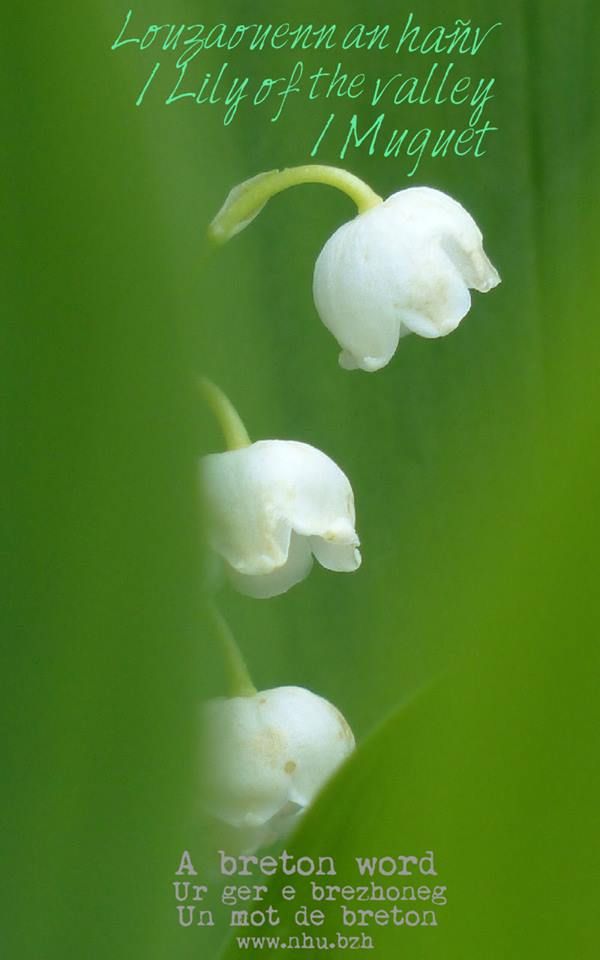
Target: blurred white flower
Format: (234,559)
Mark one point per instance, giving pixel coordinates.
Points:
(403,266)
(266,757)
(270,507)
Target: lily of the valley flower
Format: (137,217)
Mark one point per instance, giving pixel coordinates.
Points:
(271,507)
(405,266)
(266,757)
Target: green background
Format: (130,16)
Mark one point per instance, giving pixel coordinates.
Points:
(463,653)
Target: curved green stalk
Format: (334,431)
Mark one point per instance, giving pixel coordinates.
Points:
(246,200)
(239,679)
(234,431)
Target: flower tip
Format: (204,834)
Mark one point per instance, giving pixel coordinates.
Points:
(348,361)
(492,281)
(486,274)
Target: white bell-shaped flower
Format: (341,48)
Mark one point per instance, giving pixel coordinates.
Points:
(266,757)
(271,507)
(404,266)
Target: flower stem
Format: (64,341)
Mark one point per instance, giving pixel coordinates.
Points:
(246,200)
(240,681)
(234,431)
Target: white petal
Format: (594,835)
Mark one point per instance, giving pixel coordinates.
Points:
(245,784)
(294,570)
(318,739)
(240,527)
(352,292)
(340,557)
(405,265)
